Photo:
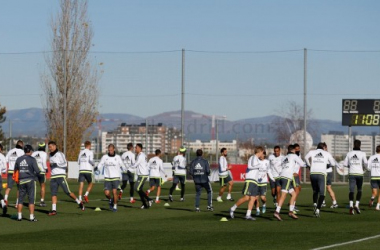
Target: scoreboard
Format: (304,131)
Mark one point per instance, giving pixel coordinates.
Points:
(361,112)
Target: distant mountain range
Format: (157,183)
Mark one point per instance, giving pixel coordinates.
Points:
(31,122)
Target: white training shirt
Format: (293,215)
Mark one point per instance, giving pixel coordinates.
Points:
(3,164)
(156,167)
(129,159)
(319,160)
(86,161)
(264,171)
(60,159)
(288,165)
(275,165)
(355,161)
(374,166)
(112,166)
(41,158)
(252,172)
(11,158)
(297,166)
(141,165)
(223,165)
(179,163)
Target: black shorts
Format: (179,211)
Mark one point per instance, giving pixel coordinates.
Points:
(28,188)
(41,178)
(273,183)
(262,190)
(296,181)
(57,182)
(286,185)
(250,189)
(10,180)
(128,176)
(224,180)
(111,184)
(330,177)
(179,178)
(375,184)
(155,182)
(85,177)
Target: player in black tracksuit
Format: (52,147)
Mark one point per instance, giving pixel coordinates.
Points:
(200,170)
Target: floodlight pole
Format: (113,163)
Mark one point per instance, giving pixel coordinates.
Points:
(304,106)
(183,97)
(64,102)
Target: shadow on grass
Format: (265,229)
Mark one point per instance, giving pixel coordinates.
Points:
(181,209)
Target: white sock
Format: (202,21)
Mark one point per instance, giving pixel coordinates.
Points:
(378,205)
(291,208)
(54,207)
(80,197)
(31,216)
(86,194)
(249,212)
(6,197)
(229,196)
(114,206)
(278,209)
(2,203)
(148,191)
(219,197)
(264,205)
(351,203)
(77,200)
(233,208)
(42,200)
(157,198)
(334,202)
(19,216)
(258,209)
(131,199)
(357,203)
(317,211)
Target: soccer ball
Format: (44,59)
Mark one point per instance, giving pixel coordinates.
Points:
(5,185)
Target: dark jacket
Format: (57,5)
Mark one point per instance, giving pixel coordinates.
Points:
(27,167)
(200,170)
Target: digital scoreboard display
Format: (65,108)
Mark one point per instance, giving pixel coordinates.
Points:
(361,112)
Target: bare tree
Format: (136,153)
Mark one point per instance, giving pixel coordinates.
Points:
(69,66)
(290,120)
(3,110)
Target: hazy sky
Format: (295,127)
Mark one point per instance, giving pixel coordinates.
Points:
(218,80)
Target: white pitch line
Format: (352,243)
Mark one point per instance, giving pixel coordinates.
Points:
(347,243)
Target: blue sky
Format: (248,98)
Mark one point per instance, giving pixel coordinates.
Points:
(238,85)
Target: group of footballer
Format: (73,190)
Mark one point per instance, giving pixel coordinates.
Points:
(27,167)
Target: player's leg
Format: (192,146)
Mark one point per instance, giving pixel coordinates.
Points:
(378,199)
(253,194)
(321,189)
(332,195)
(88,178)
(175,182)
(198,191)
(359,186)
(42,181)
(242,200)
(115,184)
(223,186)
(66,189)
(314,186)
(131,180)
(53,191)
(292,202)
(263,197)
(81,184)
(183,182)
(230,186)
(152,185)
(208,188)
(32,197)
(23,192)
(273,190)
(352,184)
(374,192)
(10,183)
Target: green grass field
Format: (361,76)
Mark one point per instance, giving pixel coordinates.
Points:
(179,227)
